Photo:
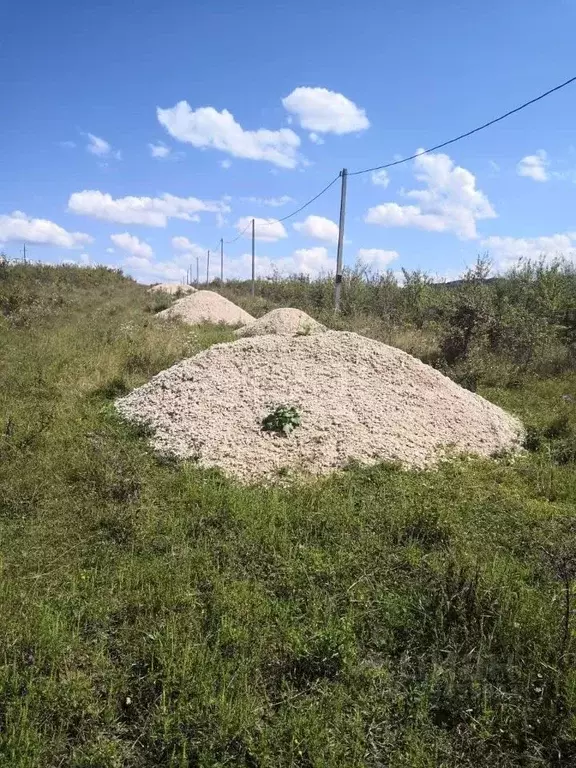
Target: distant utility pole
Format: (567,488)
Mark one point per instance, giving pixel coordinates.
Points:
(197,271)
(253,290)
(24,252)
(207,267)
(338,277)
(221,260)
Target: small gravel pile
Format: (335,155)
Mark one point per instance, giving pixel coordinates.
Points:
(286,322)
(171,288)
(357,399)
(206,307)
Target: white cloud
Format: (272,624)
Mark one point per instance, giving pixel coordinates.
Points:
(273,202)
(17,226)
(151,211)
(506,251)
(306,261)
(312,261)
(450,203)
(159,150)
(101,148)
(182,244)
(380,178)
(206,127)
(191,250)
(376,258)
(225,164)
(319,228)
(323,111)
(110,250)
(315,139)
(132,245)
(494,166)
(534,166)
(266,230)
(67,144)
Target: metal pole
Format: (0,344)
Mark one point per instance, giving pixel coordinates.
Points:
(253,290)
(197,271)
(221,260)
(207,267)
(24,253)
(338,277)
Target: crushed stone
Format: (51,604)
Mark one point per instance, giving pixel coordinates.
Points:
(288,322)
(206,307)
(171,288)
(358,400)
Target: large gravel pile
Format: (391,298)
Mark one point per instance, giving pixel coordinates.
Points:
(287,322)
(171,288)
(206,307)
(358,399)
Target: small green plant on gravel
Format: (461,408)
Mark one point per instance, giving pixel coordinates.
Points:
(282,420)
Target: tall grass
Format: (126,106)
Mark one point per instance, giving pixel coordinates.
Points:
(156,614)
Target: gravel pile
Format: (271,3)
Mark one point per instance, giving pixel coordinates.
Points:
(358,400)
(206,307)
(286,322)
(171,288)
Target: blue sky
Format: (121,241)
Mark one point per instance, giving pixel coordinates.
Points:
(138,134)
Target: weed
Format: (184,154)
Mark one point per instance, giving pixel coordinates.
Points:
(282,420)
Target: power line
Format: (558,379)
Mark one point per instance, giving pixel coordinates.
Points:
(228,242)
(269,222)
(468,133)
(289,216)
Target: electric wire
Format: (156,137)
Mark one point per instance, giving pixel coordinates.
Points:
(468,133)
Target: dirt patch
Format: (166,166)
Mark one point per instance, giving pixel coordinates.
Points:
(285,322)
(358,400)
(206,307)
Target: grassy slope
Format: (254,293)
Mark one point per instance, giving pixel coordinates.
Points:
(159,615)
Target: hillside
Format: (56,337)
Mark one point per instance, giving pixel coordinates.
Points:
(157,614)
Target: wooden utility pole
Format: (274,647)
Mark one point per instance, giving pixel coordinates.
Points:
(24,252)
(253,290)
(207,267)
(221,260)
(197,271)
(338,276)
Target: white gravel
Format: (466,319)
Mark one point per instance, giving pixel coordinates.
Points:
(288,322)
(206,307)
(358,399)
(171,288)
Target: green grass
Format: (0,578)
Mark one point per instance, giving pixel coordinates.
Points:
(155,614)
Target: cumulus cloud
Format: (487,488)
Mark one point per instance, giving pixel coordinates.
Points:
(206,127)
(506,251)
(376,258)
(450,201)
(323,111)
(159,150)
(190,250)
(266,230)
(380,178)
(534,166)
(132,245)
(225,164)
(315,139)
(272,202)
(319,228)
(150,211)
(304,261)
(17,226)
(101,148)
